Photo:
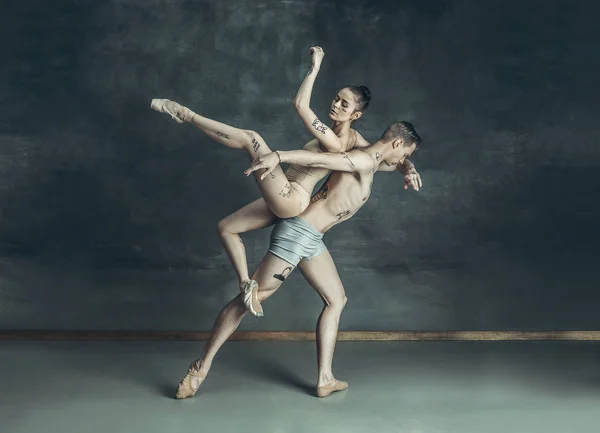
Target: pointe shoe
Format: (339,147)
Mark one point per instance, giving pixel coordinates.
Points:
(250,296)
(178,112)
(190,383)
(333,386)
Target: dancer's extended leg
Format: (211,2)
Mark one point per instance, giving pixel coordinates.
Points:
(322,275)
(228,321)
(275,188)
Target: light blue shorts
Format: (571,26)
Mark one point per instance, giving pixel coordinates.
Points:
(293,239)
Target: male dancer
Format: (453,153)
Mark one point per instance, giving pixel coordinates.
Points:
(297,242)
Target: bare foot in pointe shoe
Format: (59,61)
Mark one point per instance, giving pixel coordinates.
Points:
(333,386)
(178,112)
(249,289)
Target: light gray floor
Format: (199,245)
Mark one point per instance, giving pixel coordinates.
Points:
(412,387)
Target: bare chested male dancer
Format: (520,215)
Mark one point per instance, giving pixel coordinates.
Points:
(297,242)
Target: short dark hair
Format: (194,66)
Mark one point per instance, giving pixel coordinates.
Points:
(362,96)
(402,129)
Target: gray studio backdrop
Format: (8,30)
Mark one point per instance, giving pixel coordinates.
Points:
(108,210)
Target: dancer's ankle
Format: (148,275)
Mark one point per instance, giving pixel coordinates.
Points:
(325,379)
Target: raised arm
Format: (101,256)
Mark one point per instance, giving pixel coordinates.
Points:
(353,161)
(326,136)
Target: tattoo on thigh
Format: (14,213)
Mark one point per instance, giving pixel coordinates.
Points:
(343,214)
(284,274)
(345,156)
(223,135)
(318,125)
(321,194)
(286,191)
(255,144)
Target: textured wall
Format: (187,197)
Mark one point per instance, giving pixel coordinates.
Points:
(108,209)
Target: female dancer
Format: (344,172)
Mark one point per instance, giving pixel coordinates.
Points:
(283,195)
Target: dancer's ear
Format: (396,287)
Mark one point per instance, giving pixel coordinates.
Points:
(356,115)
(397,143)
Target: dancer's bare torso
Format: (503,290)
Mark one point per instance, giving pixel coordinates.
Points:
(338,199)
(307,177)
(304,179)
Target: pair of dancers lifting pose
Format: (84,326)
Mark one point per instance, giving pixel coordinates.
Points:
(297,237)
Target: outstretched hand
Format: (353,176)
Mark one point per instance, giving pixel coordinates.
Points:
(413,178)
(268,161)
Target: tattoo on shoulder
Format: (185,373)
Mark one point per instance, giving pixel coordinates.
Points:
(223,135)
(255,144)
(321,194)
(343,214)
(318,125)
(286,191)
(345,156)
(284,274)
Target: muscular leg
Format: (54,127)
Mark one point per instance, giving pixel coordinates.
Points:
(275,188)
(268,274)
(322,275)
(254,216)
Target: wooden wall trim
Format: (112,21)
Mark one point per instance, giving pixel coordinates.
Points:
(46,335)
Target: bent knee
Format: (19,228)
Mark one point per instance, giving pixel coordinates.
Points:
(224,227)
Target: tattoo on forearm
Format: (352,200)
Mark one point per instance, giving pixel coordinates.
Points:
(321,194)
(286,191)
(378,156)
(223,135)
(345,156)
(318,125)
(284,274)
(255,144)
(343,214)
